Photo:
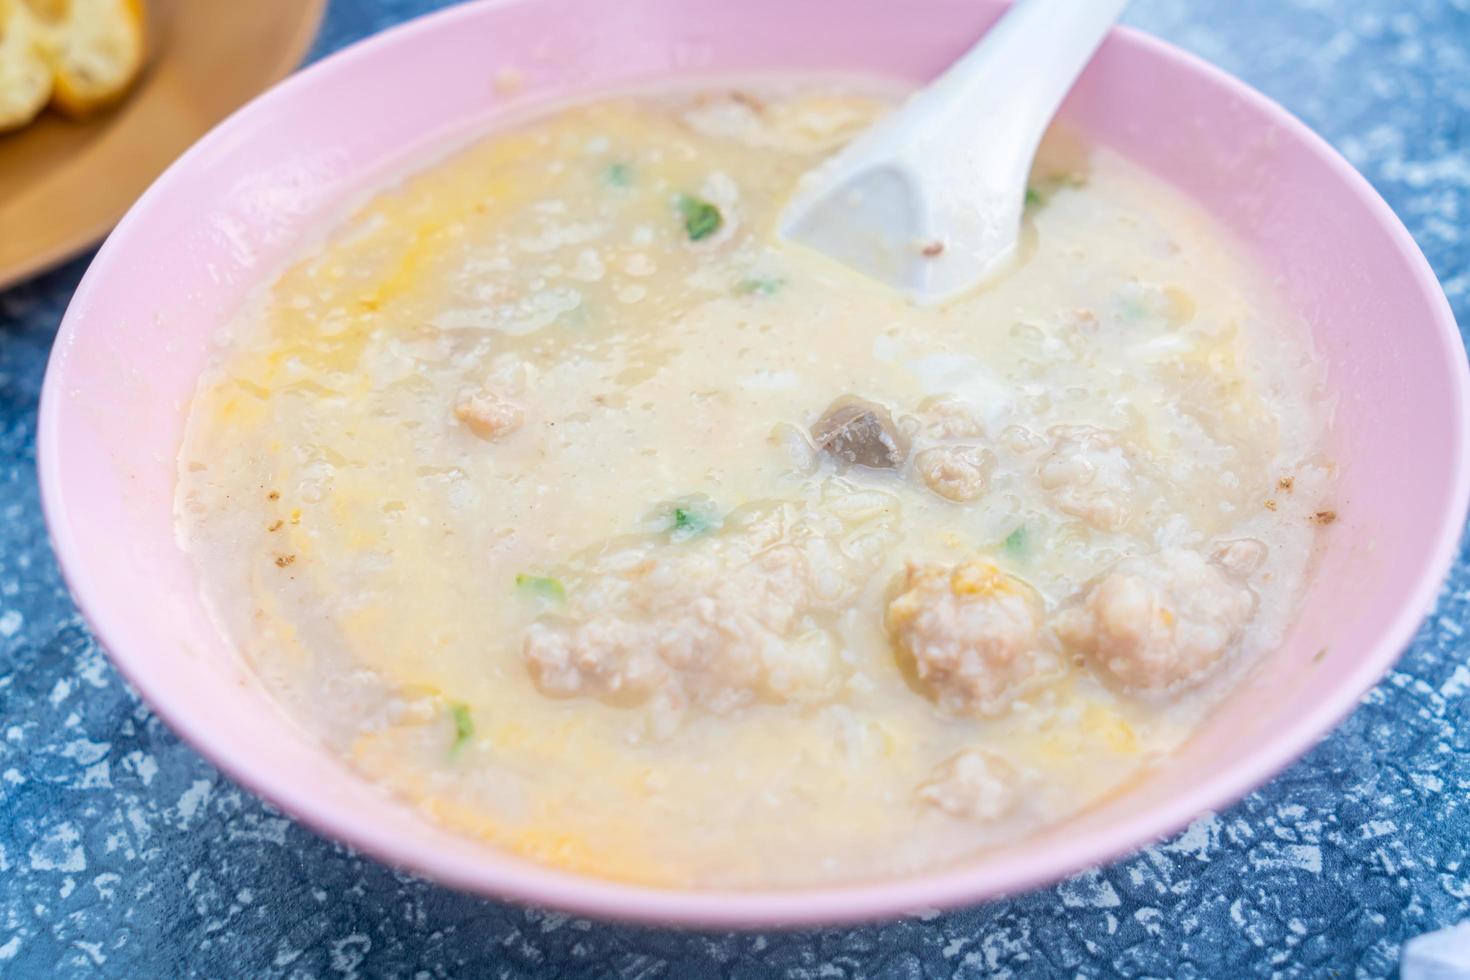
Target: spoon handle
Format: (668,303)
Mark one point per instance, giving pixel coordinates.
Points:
(1006,88)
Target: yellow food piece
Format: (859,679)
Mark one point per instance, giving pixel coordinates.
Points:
(979,578)
(97,50)
(1110,729)
(80,55)
(25,74)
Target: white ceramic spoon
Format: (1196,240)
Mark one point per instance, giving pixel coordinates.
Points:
(930,199)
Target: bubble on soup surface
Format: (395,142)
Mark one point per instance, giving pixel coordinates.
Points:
(1157,623)
(972,633)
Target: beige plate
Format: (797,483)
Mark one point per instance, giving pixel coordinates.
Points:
(63,184)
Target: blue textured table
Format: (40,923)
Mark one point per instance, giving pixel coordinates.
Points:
(124,853)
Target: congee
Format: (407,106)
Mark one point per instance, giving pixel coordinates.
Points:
(562,500)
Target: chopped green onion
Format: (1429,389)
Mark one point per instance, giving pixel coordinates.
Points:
(1016,541)
(688,523)
(618,174)
(577,317)
(762,287)
(540,585)
(685,517)
(1133,309)
(1037,196)
(701,218)
(464,727)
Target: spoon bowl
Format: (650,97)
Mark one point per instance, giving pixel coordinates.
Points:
(929,200)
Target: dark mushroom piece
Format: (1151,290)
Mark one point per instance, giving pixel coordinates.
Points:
(859,432)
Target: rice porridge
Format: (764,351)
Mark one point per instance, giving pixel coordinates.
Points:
(558,497)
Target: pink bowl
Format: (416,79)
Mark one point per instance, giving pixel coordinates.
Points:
(236,205)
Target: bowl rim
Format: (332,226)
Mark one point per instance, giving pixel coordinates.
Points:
(508,876)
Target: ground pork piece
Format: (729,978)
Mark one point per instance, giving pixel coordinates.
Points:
(1020,441)
(609,654)
(958,473)
(736,615)
(1160,622)
(487,413)
(972,633)
(859,432)
(1089,476)
(975,784)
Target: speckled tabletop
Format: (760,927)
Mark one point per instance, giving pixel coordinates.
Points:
(123,853)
